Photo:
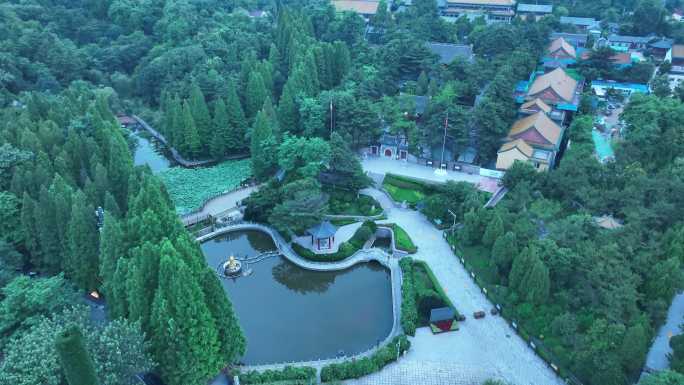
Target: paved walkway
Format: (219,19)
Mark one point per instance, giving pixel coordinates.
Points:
(382,166)
(343,234)
(488,344)
(219,204)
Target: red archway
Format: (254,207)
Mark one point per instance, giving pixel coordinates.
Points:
(388,153)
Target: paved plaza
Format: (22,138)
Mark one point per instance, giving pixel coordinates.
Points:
(487,348)
(382,166)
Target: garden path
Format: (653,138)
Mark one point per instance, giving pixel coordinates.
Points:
(489,344)
(343,234)
(219,204)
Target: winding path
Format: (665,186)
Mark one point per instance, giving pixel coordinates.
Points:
(361,256)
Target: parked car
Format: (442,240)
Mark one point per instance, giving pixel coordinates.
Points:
(494,311)
(460,318)
(479,314)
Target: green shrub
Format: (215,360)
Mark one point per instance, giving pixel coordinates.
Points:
(409,312)
(367,365)
(289,373)
(402,240)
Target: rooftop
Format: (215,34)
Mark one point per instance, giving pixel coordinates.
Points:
(324,229)
(442,314)
(561,44)
(629,39)
(541,106)
(558,80)
(364,7)
(547,131)
(535,8)
(581,21)
(509,3)
(448,52)
(520,144)
(607,222)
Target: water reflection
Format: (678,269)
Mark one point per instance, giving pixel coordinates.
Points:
(297,279)
(292,314)
(148,151)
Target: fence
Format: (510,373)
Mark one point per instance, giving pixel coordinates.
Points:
(534,343)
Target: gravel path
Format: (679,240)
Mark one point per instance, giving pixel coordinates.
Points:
(490,344)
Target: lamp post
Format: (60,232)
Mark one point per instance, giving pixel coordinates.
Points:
(453,227)
(439,171)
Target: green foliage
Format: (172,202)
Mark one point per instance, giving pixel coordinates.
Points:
(11,230)
(677,357)
(81,263)
(402,240)
(118,350)
(303,373)
(263,146)
(493,231)
(25,300)
(665,377)
(367,365)
(74,357)
(189,188)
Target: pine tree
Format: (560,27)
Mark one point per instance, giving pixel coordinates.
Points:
(422,86)
(143,278)
(288,110)
(201,116)
(231,339)
(61,196)
(255,95)
(536,284)
(470,234)
(76,362)
(236,139)
(184,336)
(119,167)
(221,129)
(192,144)
(82,259)
(342,61)
(494,230)
(46,229)
(175,132)
(118,286)
(262,147)
(522,264)
(111,249)
(504,250)
(29,228)
(311,70)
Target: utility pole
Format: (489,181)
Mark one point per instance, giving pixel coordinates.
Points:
(331,117)
(439,171)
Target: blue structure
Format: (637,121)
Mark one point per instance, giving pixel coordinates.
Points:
(600,87)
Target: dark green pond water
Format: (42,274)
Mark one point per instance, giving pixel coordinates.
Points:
(292,314)
(150,152)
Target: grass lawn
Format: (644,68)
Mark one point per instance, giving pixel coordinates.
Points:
(400,194)
(402,241)
(343,222)
(406,189)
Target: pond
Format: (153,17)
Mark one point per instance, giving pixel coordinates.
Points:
(150,152)
(657,357)
(291,314)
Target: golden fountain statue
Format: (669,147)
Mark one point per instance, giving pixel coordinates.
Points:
(232,266)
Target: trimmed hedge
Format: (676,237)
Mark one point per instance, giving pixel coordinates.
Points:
(409,311)
(367,365)
(419,295)
(408,183)
(346,249)
(297,375)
